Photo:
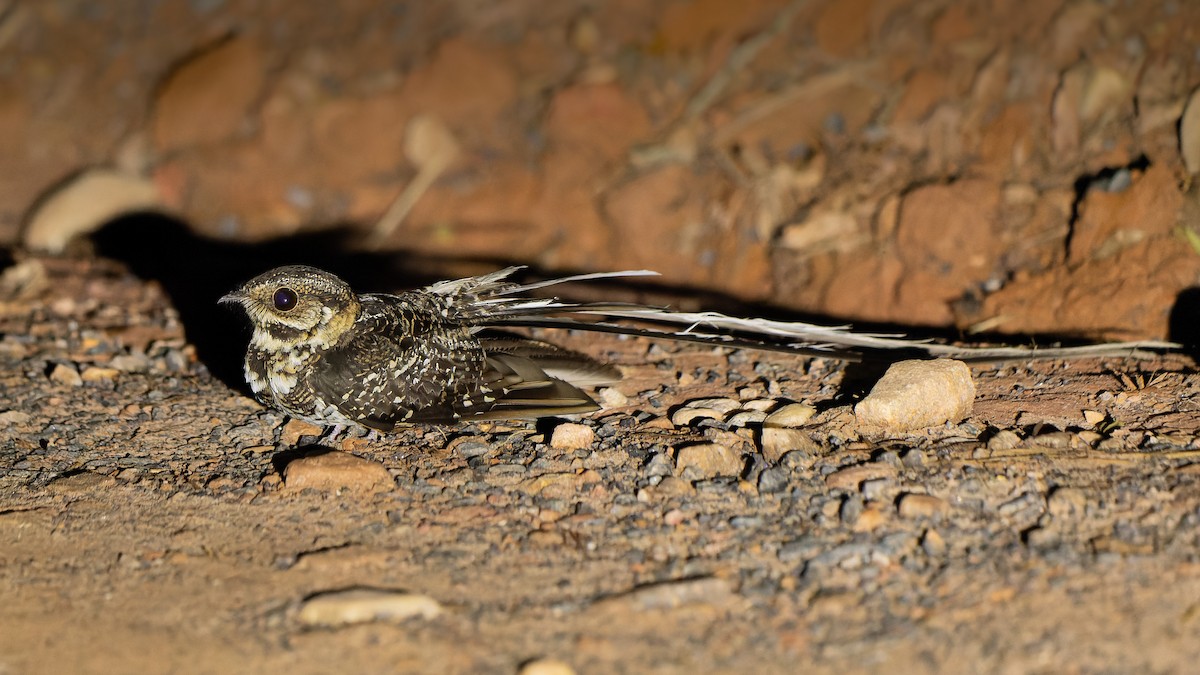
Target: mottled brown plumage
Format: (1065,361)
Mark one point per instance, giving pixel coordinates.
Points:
(322,353)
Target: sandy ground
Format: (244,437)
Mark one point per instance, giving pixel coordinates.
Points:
(941,168)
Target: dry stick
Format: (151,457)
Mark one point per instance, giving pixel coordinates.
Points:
(433,148)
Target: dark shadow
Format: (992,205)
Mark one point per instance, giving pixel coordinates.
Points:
(1184,322)
(195,271)
(281,459)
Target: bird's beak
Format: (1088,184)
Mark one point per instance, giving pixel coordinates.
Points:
(235,297)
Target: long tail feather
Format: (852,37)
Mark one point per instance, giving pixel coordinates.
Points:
(492,300)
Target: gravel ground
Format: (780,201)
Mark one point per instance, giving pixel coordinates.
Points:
(159,520)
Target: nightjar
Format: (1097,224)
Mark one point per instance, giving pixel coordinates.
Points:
(322,353)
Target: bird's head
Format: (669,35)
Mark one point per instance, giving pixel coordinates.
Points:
(297,303)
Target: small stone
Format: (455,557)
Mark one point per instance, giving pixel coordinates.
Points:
(674,517)
(295,429)
(1093,417)
(336,470)
(11,417)
(723,405)
(469,446)
(918,394)
(660,465)
(913,459)
(546,667)
(849,510)
(852,477)
(708,460)
(672,487)
(933,544)
(762,404)
(1005,439)
(131,363)
(870,518)
(611,398)
(1056,440)
(94,374)
(552,485)
(777,442)
(873,488)
(66,375)
(771,480)
(685,416)
(746,418)
(790,416)
(571,436)
(914,505)
(343,608)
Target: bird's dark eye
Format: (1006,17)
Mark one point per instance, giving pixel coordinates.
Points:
(284,299)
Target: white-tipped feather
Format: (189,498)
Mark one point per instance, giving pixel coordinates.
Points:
(488,300)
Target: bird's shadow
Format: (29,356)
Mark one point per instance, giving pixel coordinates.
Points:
(195,271)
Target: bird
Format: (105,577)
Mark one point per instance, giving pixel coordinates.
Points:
(326,354)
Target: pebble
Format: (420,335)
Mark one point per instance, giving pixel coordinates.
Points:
(131,363)
(1055,440)
(553,485)
(336,470)
(777,442)
(773,479)
(572,436)
(611,398)
(672,487)
(790,416)
(546,667)
(1005,439)
(469,446)
(66,375)
(723,405)
(708,460)
(874,488)
(763,404)
(918,394)
(294,429)
(852,477)
(746,418)
(915,505)
(342,608)
(660,465)
(96,374)
(849,510)
(870,518)
(685,416)
(11,417)
(933,544)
